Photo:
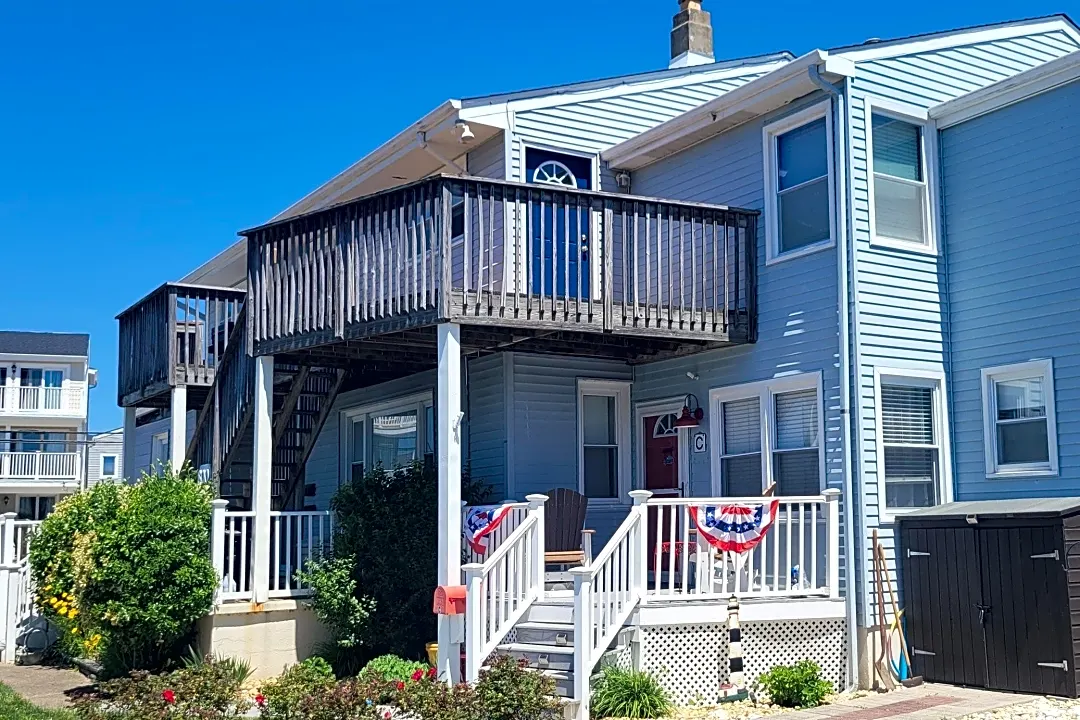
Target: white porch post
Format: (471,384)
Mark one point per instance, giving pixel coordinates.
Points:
(448,444)
(217,544)
(639,566)
(129,444)
(262,476)
(178,428)
(832,503)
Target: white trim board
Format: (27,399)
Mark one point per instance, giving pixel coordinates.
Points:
(650,408)
(1009,91)
(620,390)
(658,611)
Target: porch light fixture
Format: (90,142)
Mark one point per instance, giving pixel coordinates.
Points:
(692,414)
(467,135)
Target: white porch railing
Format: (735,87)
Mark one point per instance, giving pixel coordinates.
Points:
(40,466)
(502,588)
(514,518)
(68,400)
(295,538)
(797,556)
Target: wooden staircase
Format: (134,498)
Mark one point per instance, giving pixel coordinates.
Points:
(224,432)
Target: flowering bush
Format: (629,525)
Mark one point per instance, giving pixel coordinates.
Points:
(281,698)
(207,692)
(124,570)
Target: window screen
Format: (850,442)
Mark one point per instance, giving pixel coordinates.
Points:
(900,191)
(796,459)
(910,446)
(741,452)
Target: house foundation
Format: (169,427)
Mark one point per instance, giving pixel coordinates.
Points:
(271,636)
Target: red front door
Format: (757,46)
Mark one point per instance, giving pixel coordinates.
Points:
(661,440)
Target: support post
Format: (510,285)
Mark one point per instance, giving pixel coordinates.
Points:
(178,428)
(474,620)
(128,468)
(640,563)
(217,544)
(832,504)
(537,509)
(7,550)
(262,476)
(583,637)
(448,444)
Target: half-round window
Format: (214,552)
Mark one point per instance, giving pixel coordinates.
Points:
(665,426)
(553,172)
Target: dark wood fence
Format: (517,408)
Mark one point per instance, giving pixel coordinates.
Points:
(491,251)
(176,335)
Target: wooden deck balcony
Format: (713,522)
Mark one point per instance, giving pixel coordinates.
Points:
(539,268)
(175,336)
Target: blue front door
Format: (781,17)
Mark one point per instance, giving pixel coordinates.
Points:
(559,239)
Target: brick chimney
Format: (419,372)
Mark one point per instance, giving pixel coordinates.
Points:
(691,36)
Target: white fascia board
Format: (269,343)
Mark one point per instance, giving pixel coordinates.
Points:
(753,99)
(223,259)
(378,158)
(960,38)
(1063,70)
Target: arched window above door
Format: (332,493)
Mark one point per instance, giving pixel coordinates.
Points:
(553,172)
(665,426)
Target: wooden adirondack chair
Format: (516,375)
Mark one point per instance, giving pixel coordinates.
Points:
(566,541)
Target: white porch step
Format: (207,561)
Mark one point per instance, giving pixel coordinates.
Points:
(559,658)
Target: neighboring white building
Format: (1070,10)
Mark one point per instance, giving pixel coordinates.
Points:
(44,390)
(105,456)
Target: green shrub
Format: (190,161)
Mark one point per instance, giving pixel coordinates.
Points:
(206,692)
(394,561)
(124,570)
(796,686)
(509,691)
(348,700)
(391,668)
(629,694)
(334,599)
(238,668)
(283,697)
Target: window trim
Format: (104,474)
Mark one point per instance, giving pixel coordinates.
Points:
(991,375)
(620,390)
(418,402)
(915,377)
(770,133)
(916,116)
(115,460)
(765,391)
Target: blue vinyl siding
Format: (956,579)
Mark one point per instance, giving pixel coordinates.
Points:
(488,160)
(486,423)
(797,299)
(900,317)
(1012,226)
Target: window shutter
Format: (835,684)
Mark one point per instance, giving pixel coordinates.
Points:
(907,415)
(742,427)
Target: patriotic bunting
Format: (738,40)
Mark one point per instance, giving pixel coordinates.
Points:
(734,528)
(481,521)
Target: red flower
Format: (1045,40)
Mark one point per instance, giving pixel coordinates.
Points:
(169,696)
(399,685)
(417,675)
(431,672)
(387,715)
(260,700)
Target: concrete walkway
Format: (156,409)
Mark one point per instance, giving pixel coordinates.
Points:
(928,702)
(46,687)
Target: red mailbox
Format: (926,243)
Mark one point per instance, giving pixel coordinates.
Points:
(450,600)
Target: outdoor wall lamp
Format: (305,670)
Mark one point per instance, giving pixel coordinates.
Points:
(692,414)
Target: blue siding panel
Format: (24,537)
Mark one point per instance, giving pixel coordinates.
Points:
(487,424)
(1011,223)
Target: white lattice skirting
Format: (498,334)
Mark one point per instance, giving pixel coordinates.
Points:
(691,661)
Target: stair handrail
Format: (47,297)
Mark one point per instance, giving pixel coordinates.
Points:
(490,616)
(211,406)
(606,592)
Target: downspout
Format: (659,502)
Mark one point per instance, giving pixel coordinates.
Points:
(843,246)
(421,139)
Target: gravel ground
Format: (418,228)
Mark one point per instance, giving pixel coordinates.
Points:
(1040,708)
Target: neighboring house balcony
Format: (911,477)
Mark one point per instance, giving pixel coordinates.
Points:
(36,401)
(174,338)
(538,268)
(58,470)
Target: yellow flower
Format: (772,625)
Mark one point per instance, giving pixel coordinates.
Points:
(72,613)
(74,631)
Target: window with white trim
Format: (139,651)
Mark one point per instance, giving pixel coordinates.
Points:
(108,466)
(389,434)
(799,206)
(603,438)
(777,419)
(911,435)
(1020,430)
(900,211)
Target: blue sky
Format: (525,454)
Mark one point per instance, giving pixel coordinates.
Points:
(136,138)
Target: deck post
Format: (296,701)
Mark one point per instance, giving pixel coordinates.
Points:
(474,620)
(448,445)
(217,543)
(583,636)
(178,427)
(262,475)
(639,563)
(832,503)
(536,507)
(8,551)
(129,443)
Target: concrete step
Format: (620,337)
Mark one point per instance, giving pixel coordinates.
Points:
(550,612)
(542,657)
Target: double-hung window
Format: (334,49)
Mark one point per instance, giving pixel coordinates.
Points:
(799,206)
(769,433)
(900,210)
(1020,430)
(911,440)
(603,438)
(108,466)
(390,434)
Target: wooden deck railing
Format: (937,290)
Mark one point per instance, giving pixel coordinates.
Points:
(174,336)
(498,252)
